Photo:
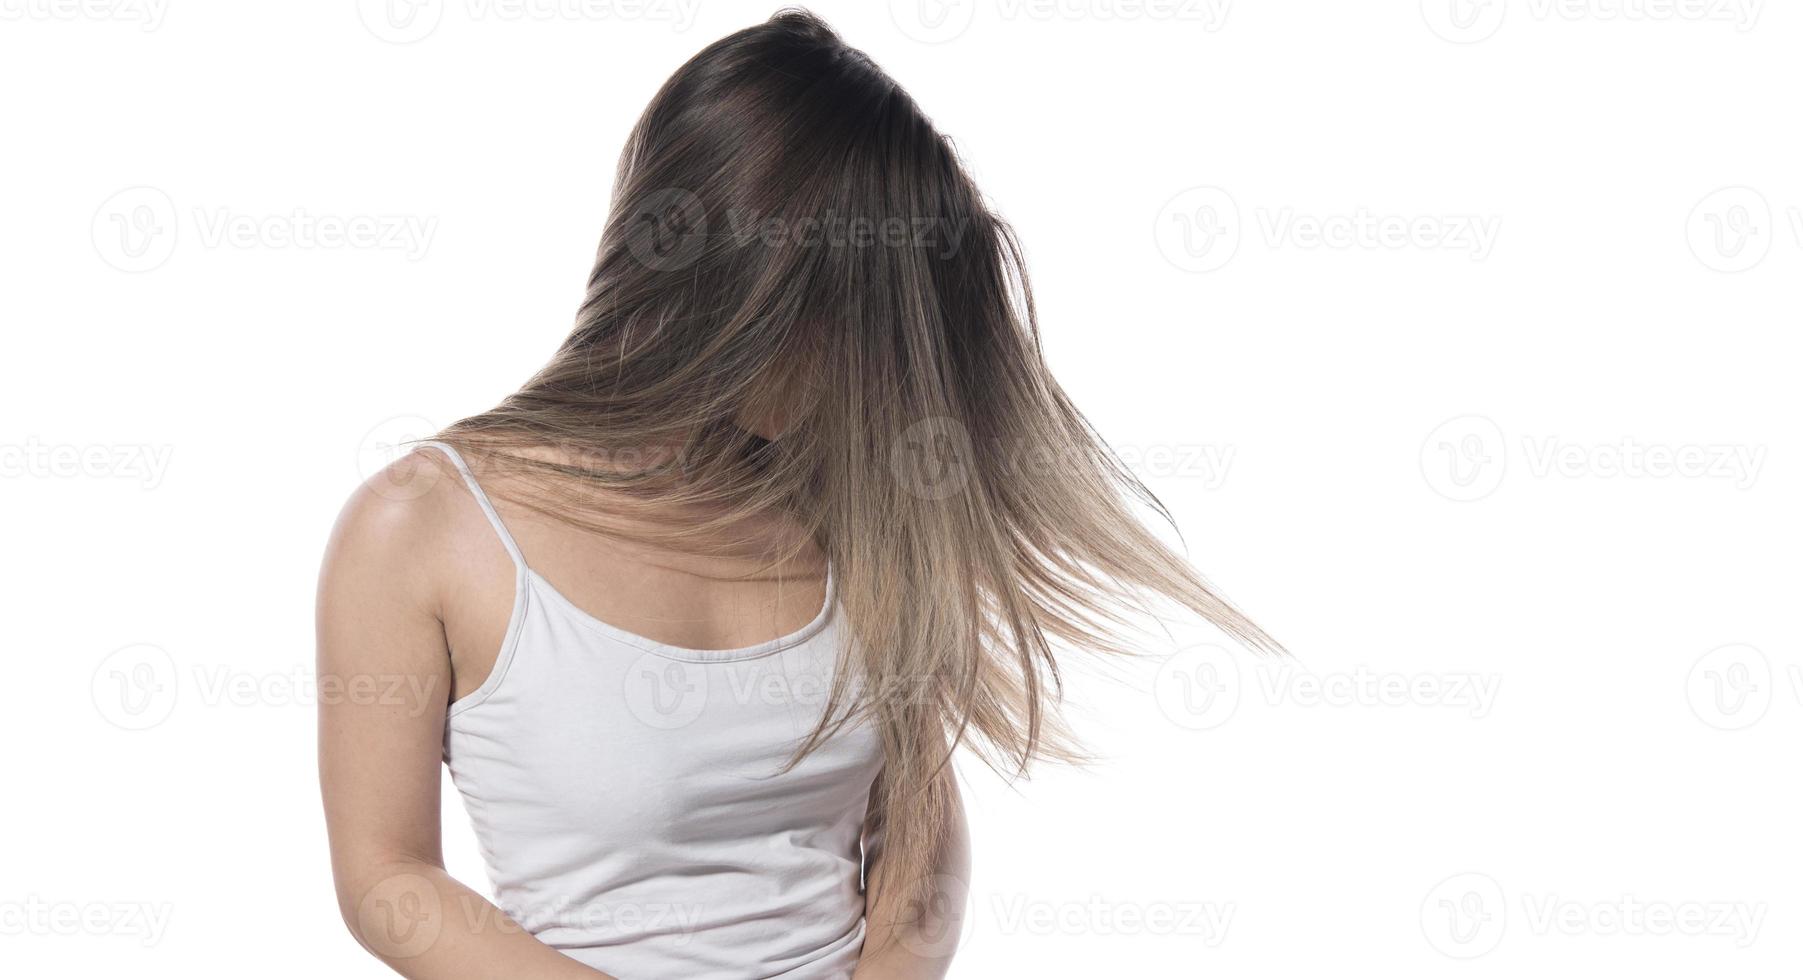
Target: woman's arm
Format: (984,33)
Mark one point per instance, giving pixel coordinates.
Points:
(385,675)
(906,937)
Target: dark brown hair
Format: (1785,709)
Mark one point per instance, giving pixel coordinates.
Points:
(789,230)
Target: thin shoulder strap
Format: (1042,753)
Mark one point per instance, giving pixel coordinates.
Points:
(488,508)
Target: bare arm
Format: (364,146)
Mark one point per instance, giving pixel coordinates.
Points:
(385,674)
(904,938)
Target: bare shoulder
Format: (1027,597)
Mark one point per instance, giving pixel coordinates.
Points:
(398,527)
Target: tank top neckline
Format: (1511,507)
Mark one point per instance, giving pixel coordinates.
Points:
(671,651)
(529,578)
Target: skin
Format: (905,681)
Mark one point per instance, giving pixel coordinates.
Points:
(414,597)
(900,943)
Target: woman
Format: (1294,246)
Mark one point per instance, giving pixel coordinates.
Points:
(705,607)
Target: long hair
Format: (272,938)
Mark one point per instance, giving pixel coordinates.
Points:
(789,231)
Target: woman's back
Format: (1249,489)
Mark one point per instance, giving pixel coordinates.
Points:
(631,794)
(802,309)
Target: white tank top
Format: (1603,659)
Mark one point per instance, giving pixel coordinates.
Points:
(627,797)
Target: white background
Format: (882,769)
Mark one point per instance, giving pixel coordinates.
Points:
(1554,463)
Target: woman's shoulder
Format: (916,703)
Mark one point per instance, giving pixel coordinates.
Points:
(406,501)
(404,520)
